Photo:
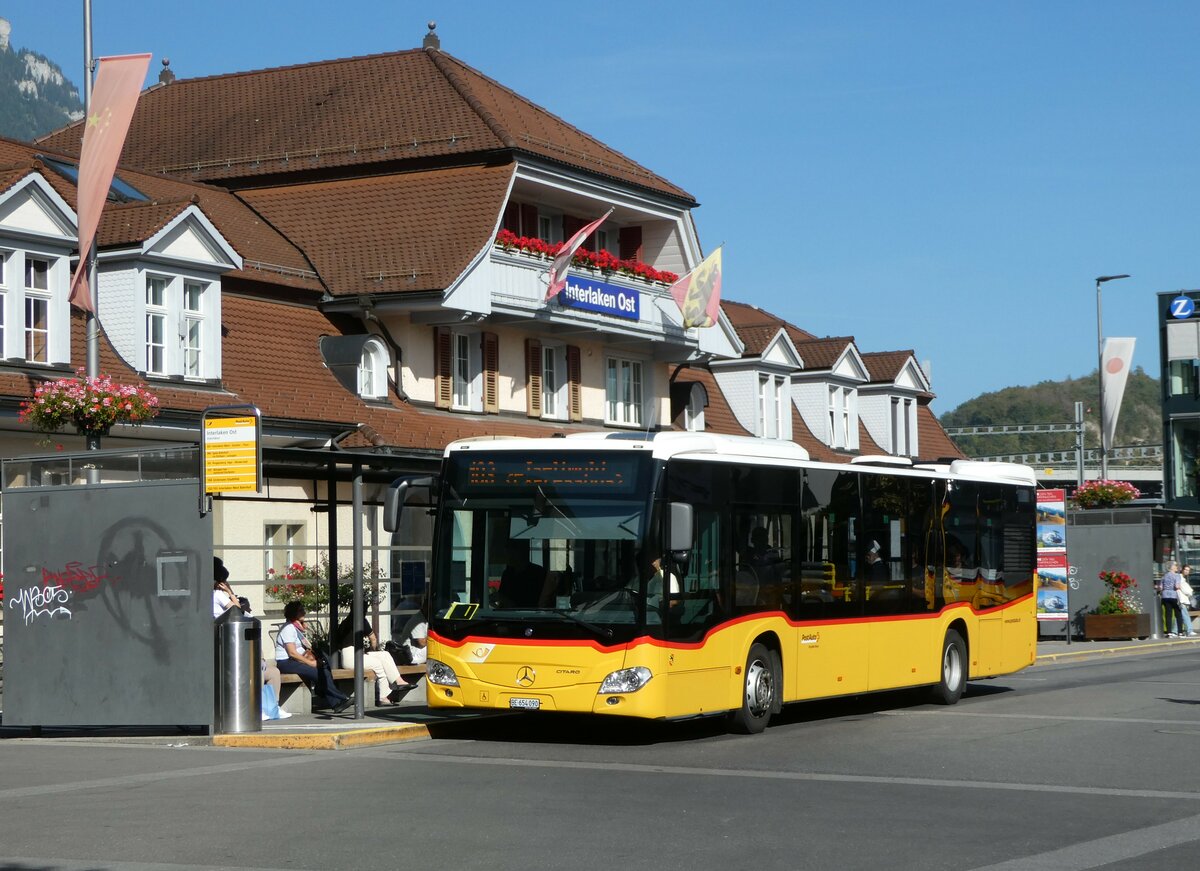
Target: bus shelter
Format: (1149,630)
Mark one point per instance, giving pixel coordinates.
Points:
(108,576)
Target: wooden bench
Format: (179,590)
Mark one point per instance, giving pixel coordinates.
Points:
(297,697)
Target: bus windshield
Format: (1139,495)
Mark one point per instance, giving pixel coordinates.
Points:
(553,536)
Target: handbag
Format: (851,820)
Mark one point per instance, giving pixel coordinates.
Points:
(401,653)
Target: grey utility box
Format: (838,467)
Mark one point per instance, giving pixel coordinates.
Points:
(238,655)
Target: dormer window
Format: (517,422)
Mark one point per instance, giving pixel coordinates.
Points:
(176,333)
(372,371)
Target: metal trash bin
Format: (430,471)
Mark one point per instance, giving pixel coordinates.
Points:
(238,653)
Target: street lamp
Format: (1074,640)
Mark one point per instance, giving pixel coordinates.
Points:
(1100,368)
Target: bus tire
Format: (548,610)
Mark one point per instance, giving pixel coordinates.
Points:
(760,685)
(952,669)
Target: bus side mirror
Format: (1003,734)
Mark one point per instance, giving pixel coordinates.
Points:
(397,493)
(683,527)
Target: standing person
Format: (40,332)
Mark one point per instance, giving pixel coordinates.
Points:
(1168,588)
(293,656)
(1185,601)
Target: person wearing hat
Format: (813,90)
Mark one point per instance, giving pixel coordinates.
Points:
(877,571)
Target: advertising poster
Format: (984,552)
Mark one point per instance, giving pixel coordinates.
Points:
(1052,566)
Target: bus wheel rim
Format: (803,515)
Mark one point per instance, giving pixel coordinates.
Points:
(951,667)
(760,689)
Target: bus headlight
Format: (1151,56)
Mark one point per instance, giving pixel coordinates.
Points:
(627,680)
(440,673)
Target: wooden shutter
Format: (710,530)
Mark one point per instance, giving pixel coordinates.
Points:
(533,377)
(629,241)
(529,222)
(571,226)
(442,382)
(490,344)
(573,379)
(512,218)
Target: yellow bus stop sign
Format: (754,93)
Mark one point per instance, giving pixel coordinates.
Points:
(231,454)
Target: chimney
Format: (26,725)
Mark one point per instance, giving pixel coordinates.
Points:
(431,39)
(166,76)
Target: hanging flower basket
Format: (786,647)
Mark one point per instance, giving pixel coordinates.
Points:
(1105,494)
(91,405)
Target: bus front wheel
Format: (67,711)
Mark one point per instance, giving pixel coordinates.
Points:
(953,670)
(758,692)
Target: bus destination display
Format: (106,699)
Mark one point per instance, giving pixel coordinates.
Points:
(618,474)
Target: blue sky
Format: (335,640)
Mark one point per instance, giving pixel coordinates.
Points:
(948,177)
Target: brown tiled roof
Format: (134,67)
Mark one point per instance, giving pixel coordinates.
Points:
(756,339)
(419,104)
(885,366)
(752,323)
(931,437)
(269,256)
(823,353)
(405,232)
(718,416)
(130,223)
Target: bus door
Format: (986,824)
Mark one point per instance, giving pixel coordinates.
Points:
(830,646)
(697,655)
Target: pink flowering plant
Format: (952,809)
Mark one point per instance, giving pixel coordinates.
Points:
(1105,493)
(91,405)
(1121,595)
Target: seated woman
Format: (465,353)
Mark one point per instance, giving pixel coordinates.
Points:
(387,676)
(415,639)
(293,656)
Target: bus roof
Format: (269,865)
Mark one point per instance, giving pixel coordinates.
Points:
(665,445)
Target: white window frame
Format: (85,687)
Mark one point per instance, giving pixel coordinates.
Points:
(192,329)
(188,349)
(4,256)
(37,298)
(158,289)
(281,540)
(693,412)
(555,383)
(624,391)
(834,408)
(372,371)
(466,371)
(849,420)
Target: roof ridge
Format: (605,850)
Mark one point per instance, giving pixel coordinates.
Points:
(511,143)
(288,67)
(441,63)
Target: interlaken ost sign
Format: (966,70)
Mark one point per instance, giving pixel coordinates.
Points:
(231,450)
(599,296)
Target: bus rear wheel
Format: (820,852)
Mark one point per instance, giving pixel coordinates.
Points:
(953,670)
(758,692)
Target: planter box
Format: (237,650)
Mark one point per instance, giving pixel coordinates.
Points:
(1109,627)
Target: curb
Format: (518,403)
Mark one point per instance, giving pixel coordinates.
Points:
(1138,650)
(342,740)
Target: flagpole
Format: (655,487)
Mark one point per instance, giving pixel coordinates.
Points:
(92,324)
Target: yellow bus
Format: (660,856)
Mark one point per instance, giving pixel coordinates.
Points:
(676,575)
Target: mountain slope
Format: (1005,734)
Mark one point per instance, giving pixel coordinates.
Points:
(35,96)
(1140,420)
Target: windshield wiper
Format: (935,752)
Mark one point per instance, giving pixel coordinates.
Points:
(602,631)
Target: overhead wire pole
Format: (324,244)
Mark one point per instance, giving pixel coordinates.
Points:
(1100,369)
(92,322)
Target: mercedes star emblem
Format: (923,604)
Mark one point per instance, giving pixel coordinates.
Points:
(526,676)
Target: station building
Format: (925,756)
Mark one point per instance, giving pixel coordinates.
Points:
(357,248)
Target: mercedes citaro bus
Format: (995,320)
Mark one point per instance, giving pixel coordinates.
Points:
(674,575)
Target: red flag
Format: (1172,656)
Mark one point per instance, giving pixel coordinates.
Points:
(698,294)
(118,83)
(558,269)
